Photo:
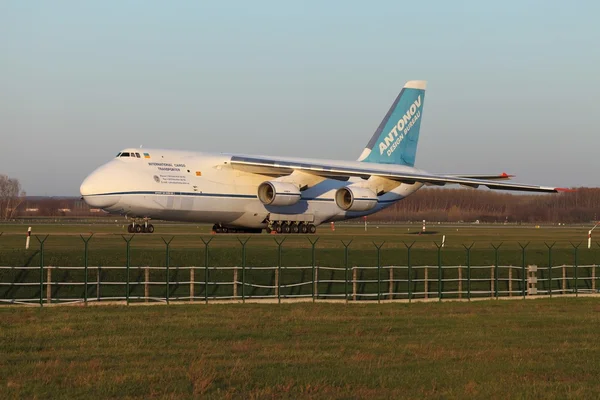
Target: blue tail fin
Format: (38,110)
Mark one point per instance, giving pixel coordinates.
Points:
(395,140)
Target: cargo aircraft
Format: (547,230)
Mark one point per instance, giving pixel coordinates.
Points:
(244,193)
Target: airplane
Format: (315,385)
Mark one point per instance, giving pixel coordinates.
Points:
(244,193)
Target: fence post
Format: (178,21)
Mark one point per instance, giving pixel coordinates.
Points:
(206,242)
(391,284)
(510,273)
(313,244)
(346,251)
(460,279)
(243,243)
(235,282)
(575,262)
(146,283)
(378,247)
(439,254)
(409,270)
(41,241)
(496,269)
(550,267)
(98,283)
(85,267)
(468,250)
(128,247)
(354,283)
(167,264)
(279,262)
(49,285)
(523,273)
(192,284)
(426,282)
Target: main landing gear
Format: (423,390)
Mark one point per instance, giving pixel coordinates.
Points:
(292,227)
(144,227)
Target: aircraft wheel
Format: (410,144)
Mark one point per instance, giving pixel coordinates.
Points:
(268,229)
(294,228)
(224,230)
(303,228)
(277,228)
(312,228)
(130,228)
(138,229)
(285,228)
(150,228)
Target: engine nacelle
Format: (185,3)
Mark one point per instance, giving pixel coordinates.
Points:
(352,198)
(275,193)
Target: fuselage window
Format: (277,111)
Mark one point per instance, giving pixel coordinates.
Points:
(124,154)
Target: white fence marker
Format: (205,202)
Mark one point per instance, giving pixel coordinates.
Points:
(28,238)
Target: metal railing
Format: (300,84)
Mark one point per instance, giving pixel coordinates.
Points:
(350,284)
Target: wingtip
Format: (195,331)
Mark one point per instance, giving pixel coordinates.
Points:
(565,190)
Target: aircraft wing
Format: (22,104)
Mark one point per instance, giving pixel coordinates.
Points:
(280,167)
(502,176)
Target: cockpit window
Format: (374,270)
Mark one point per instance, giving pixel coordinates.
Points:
(137,155)
(118,154)
(125,154)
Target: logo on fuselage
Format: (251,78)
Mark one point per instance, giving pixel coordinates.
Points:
(402,128)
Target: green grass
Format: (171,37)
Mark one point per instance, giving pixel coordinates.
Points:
(492,349)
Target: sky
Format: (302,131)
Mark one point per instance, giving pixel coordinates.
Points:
(512,86)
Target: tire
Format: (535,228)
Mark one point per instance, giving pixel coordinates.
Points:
(150,228)
(285,228)
(138,229)
(268,230)
(277,228)
(312,228)
(130,228)
(294,228)
(303,228)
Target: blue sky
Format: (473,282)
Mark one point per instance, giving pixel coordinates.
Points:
(513,85)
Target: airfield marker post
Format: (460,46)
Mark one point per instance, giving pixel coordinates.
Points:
(523,273)
(167,265)
(313,244)
(379,269)
(85,267)
(468,249)
(496,269)
(41,241)
(439,254)
(408,248)
(575,262)
(279,262)
(346,251)
(128,264)
(243,243)
(206,242)
(550,267)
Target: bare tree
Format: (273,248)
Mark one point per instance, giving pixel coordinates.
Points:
(11,196)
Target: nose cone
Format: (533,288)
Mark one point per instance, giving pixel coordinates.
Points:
(96,189)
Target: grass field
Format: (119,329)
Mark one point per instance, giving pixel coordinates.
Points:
(64,247)
(492,349)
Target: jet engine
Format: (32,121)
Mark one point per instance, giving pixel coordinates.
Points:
(351,198)
(275,193)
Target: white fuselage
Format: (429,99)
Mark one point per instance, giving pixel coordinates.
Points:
(204,187)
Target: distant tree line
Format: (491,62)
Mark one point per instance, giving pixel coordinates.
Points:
(453,205)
